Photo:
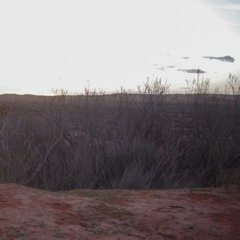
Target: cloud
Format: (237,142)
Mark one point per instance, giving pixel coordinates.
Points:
(158,67)
(185,57)
(161,68)
(192,70)
(224,59)
(224,4)
(234,7)
(227,10)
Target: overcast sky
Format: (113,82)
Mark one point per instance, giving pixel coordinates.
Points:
(68,44)
(228,10)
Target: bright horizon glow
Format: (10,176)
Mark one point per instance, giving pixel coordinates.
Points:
(67,43)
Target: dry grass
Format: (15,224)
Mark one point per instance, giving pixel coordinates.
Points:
(145,140)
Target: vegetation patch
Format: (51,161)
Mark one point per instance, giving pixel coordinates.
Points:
(145,140)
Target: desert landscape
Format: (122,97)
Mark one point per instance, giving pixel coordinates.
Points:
(146,165)
(187,214)
(120,120)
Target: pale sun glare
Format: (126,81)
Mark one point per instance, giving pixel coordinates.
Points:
(69,43)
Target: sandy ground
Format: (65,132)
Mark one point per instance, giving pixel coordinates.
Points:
(27,213)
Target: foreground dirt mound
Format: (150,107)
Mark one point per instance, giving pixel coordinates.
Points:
(27,213)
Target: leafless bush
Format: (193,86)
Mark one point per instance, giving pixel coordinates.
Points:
(211,132)
(123,140)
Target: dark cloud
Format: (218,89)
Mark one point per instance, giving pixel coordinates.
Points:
(161,68)
(224,59)
(158,67)
(191,70)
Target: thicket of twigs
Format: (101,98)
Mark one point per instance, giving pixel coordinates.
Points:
(140,141)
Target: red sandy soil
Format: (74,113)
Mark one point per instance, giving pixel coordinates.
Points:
(27,213)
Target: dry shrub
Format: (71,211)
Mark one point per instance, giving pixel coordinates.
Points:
(124,140)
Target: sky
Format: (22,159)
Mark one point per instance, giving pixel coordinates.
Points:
(109,44)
